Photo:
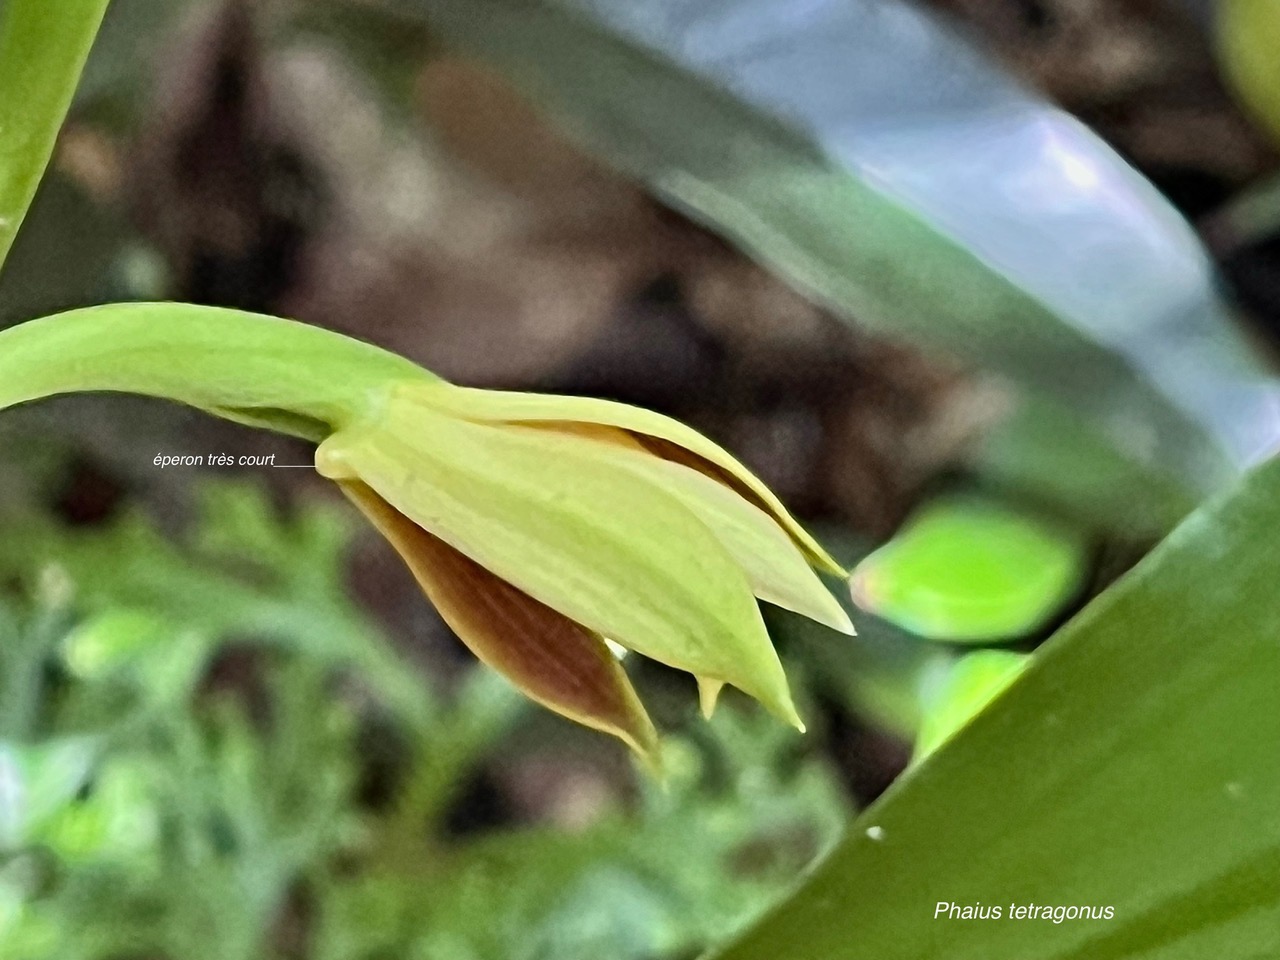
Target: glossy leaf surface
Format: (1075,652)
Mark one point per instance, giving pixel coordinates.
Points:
(874,160)
(1135,765)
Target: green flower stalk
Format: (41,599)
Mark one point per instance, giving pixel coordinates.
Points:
(538,525)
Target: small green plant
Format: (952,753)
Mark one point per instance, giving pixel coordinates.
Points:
(143,810)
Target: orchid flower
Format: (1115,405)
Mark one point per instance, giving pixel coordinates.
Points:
(543,528)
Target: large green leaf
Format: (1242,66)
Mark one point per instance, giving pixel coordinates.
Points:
(878,163)
(1135,765)
(43,47)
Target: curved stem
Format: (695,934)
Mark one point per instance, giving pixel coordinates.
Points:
(43,47)
(265,371)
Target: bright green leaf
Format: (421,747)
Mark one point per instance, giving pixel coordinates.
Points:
(971,569)
(968,685)
(43,47)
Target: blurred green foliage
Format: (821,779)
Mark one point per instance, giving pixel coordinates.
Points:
(1249,48)
(185,730)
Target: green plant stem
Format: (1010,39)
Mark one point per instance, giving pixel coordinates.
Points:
(43,48)
(264,371)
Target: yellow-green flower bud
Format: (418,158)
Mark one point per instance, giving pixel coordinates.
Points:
(592,532)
